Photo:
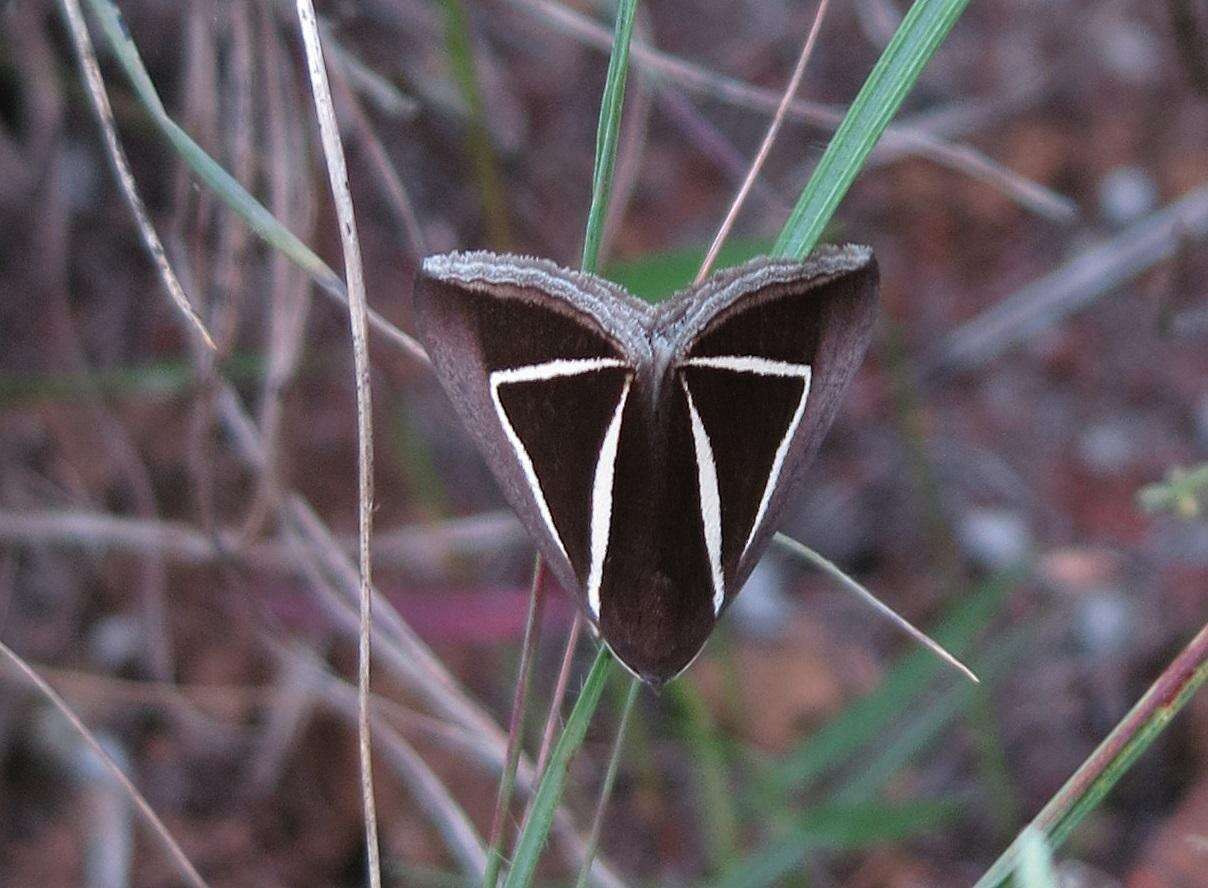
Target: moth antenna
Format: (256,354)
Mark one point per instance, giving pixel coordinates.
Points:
(881,607)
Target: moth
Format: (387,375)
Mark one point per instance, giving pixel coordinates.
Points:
(649,450)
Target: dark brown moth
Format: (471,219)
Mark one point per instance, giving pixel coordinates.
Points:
(650,450)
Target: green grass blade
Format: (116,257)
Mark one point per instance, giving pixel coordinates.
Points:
(1096,776)
(844,736)
(228,189)
(916,41)
(607,132)
(545,802)
(841,828)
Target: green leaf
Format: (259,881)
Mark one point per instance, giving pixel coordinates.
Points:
(1184,493)
(545,802)
(655,276)
(916,41)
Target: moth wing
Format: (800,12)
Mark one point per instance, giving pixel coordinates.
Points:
(776,345)
(532,372)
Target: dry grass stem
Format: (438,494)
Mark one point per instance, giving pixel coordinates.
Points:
(354,273)
(430,793)
(879,606)
(765,147)
(384,173)
(554,719)
(289,296)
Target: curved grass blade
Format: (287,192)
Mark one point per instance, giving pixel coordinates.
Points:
(915,42)
(264,223)
(805,553)
(536,827)
(1092,781)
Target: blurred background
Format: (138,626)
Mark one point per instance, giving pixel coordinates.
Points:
(175,525)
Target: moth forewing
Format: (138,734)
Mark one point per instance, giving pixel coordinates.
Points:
(517,361)
(782,341)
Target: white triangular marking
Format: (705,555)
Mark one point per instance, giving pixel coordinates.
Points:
(764,367)
(555,369)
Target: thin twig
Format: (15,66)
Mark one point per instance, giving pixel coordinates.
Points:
(86,56)
(555,707)
(182,861)
(803,551)
(765,147)
(610,776)
(354,272)
(507,780)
